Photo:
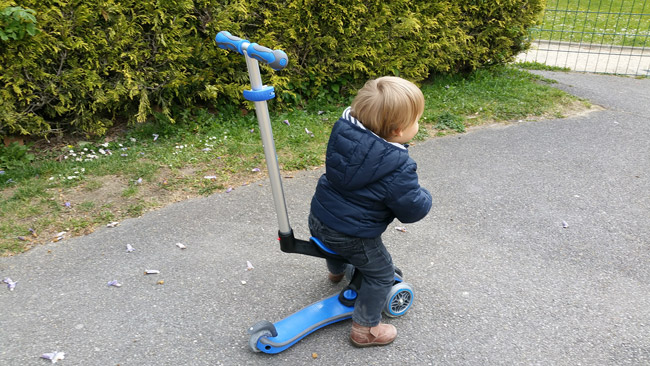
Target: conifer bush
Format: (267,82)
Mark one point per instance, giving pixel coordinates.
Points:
(93,63)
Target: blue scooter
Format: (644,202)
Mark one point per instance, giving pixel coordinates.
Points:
(275,337)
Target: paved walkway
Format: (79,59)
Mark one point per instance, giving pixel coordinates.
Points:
(590,57)
(498,278)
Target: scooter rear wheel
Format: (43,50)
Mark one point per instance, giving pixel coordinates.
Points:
(255,337)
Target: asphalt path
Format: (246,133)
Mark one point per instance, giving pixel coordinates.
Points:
(536,252)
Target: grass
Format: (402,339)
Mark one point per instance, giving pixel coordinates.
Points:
(614,22)
(74,188)
(490,95)
(528,65)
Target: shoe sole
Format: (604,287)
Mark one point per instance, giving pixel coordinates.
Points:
(363,345)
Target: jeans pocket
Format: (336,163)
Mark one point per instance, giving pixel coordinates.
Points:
(353,250)
(377,253)
(349,247)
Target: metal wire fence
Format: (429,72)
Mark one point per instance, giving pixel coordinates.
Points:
(593,36)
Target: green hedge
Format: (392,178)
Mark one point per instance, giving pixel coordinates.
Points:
(97,62)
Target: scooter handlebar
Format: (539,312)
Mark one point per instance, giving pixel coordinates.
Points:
(277,59)
(227,41)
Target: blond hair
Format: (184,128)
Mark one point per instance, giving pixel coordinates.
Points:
(387,104)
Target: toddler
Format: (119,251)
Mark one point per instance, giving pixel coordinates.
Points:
(369,181)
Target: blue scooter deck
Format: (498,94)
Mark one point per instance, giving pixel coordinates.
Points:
(295,327)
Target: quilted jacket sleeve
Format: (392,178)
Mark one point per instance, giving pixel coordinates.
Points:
(408,201)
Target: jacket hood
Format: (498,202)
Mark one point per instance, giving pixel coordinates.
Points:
(357,157)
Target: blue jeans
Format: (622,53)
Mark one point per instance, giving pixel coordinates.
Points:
(368,256)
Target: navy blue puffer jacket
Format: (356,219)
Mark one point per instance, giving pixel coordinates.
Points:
(368,182)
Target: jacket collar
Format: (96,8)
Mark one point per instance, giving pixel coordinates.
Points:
(346,115)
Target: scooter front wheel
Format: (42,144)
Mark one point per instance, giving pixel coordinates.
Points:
(399,300)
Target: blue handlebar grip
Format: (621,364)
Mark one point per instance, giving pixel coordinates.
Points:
(277,59)
(227,41)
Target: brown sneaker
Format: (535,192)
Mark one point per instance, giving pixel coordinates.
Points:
(336,278)
(379,335)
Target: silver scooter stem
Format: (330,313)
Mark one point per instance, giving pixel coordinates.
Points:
(264,123)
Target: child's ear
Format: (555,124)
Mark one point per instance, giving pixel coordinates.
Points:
(397,132)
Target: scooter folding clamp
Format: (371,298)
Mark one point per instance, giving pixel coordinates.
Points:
(267,92)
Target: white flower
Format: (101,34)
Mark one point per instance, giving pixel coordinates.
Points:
(54,356)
